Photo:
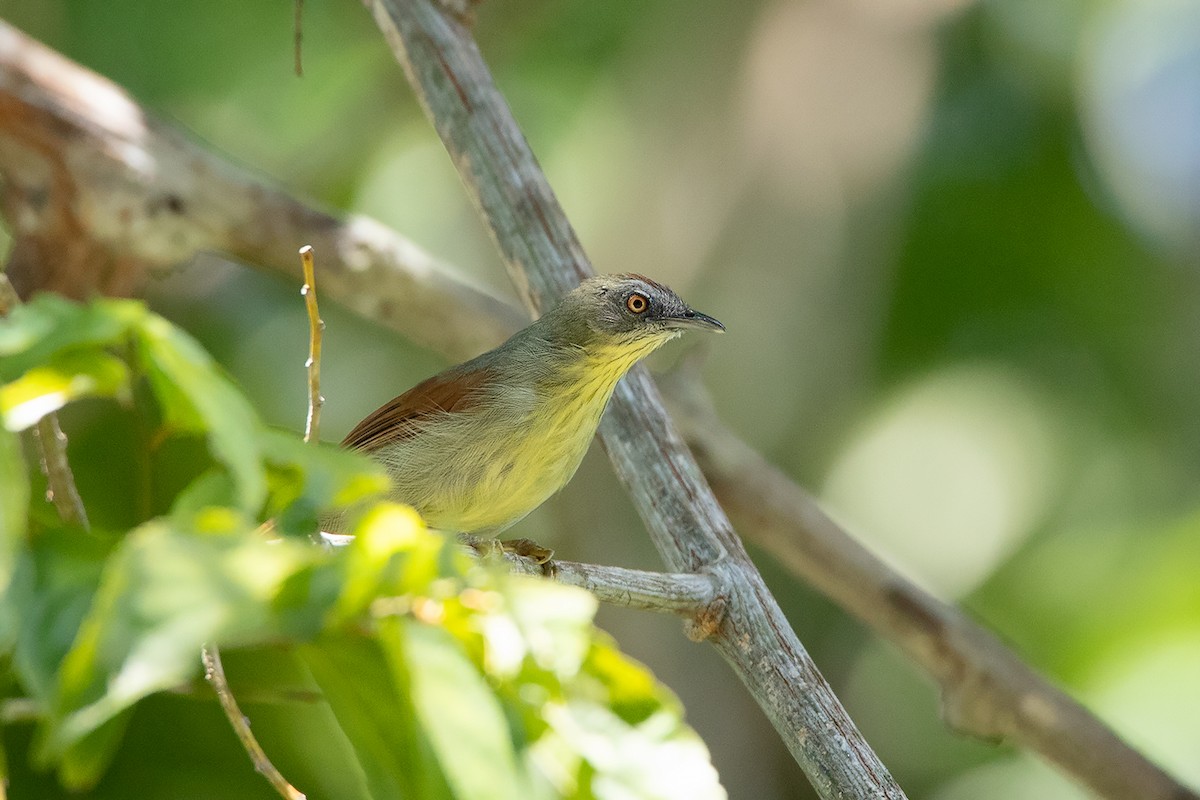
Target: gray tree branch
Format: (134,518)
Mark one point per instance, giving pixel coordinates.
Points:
(986,689)
(55,150)
(545,260)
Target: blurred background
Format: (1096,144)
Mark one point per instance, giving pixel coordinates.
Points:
(957,248)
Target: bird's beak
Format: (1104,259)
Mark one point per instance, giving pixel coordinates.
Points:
(694,319)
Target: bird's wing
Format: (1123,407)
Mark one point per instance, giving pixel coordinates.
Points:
(453,390)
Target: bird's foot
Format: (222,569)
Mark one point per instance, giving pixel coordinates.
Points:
(529,549)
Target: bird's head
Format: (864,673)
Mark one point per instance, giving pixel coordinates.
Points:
(630,311)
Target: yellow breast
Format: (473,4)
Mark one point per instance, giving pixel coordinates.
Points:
(507,464)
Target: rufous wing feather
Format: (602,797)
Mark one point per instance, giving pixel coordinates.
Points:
(450,391)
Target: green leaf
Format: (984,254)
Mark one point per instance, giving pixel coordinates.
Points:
(392,553)
(164,593)
(212,489)
(52,587)
(53,351)
(458,711)
(197,397)
(305,478)
(14,504)
(372,703)
(34,333)
(64,377)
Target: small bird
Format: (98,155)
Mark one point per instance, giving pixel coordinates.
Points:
(477,447)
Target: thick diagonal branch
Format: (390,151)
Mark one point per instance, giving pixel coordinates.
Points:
(545,260)
(987,691)
(97,193)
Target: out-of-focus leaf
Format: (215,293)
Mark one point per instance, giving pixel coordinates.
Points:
(373,706)
(164,593)
(51,589)
(457,710)
(392,553)
(14,504)
(555,620)
(197,397)
(64,377)
(213,489)
(304,478)
(629,688)
(34,333)
(658,759)
(53,351)
(596,724)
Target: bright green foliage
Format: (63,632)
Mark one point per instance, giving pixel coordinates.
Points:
(448,678)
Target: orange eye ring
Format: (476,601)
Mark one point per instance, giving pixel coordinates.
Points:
(637,303)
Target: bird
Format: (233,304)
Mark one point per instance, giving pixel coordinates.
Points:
(476,448)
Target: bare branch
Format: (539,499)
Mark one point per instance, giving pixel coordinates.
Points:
(545,259)
(987,691)
(214,671)
(98,192)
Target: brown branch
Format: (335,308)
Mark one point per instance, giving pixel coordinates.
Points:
(545,260)
(394,284)
(98,193)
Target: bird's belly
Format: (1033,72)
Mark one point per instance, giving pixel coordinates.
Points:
(484,483)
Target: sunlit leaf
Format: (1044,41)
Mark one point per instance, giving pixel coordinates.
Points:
(392,553)
(658,759)
(458,711)
(373,707)
(164,593)
(65,377)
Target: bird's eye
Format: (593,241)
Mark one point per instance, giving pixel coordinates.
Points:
(637,302)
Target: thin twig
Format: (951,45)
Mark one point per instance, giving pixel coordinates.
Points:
(60,481)
(210,654)
(316,326)
(298,36)
(215,673)
(545,259)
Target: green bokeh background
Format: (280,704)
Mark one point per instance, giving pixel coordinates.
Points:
(956,247)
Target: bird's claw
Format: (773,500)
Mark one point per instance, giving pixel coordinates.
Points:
(529,549)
